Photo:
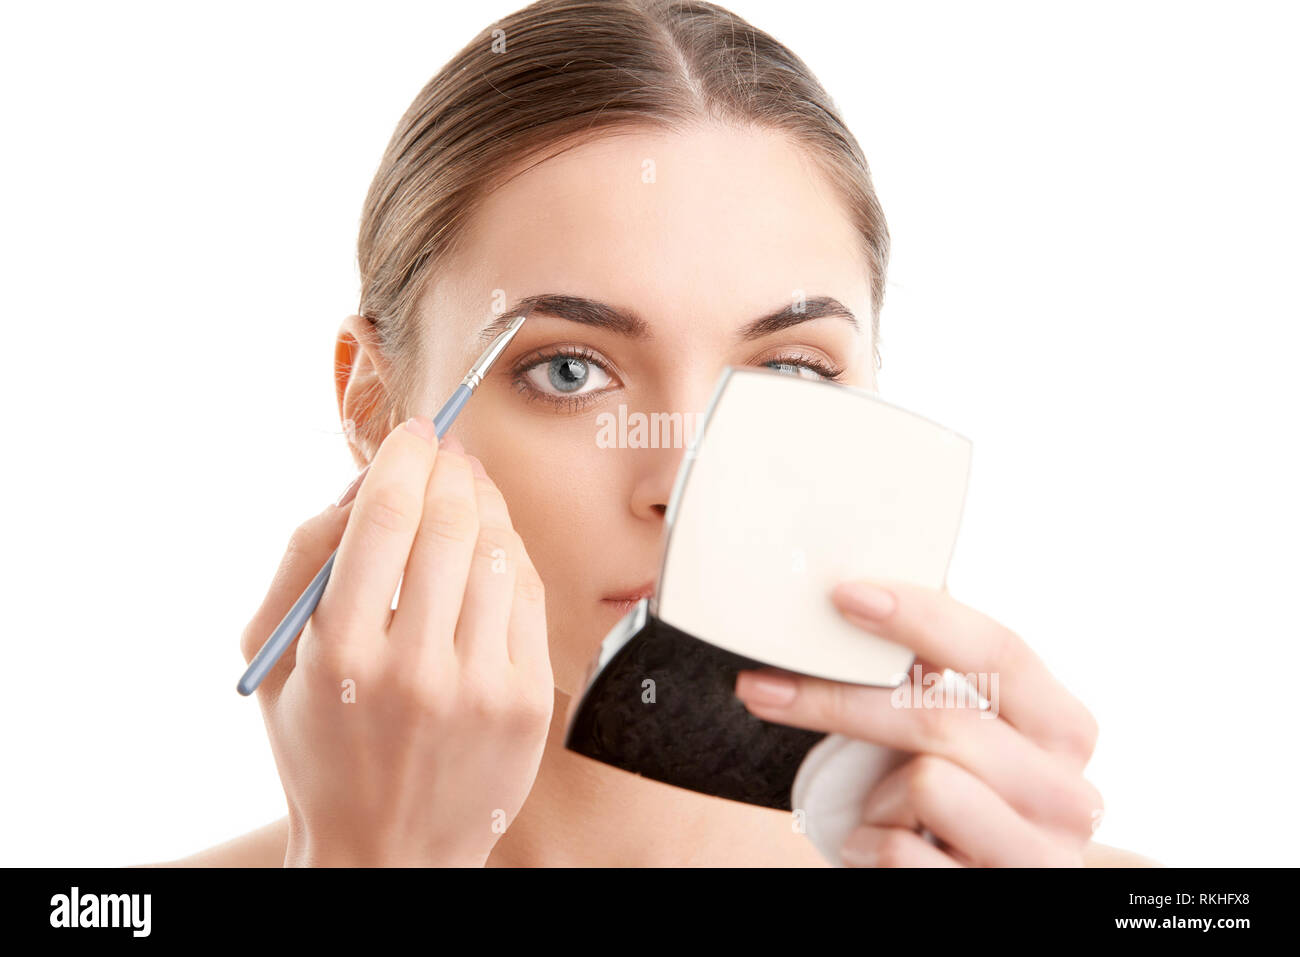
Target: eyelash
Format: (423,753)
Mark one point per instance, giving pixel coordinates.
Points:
(575,402)
(817,364)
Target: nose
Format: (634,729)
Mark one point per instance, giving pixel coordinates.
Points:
(664,437)
(654,485)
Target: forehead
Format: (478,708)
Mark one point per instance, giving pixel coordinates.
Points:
(715,222)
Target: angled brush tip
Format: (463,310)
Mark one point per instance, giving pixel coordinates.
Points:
(521,317)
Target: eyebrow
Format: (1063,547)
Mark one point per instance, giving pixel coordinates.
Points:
(624,322)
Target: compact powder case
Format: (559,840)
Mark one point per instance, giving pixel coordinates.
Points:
(791,485)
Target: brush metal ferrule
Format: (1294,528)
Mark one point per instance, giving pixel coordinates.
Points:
(490,355)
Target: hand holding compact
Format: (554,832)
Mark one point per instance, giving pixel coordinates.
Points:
(994,789)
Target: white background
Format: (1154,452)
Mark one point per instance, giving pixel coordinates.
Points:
(1094,211)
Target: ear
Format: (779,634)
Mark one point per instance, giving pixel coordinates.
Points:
(362,387)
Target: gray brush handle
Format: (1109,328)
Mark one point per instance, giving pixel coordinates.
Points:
(293,623)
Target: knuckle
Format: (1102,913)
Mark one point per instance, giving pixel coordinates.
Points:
(935,727)
(300,540)
(480,709)
(529,585)
(533,706)
(496,542)
(331,660)
(479,697)
(1007,645)
(522,718)
(310,540)
(1083,740)
(1073,807)
(924,778)
(835,705)
(486,490)
(451,470)
(541,708)
(416,689)
(250,642)
(1096,801)
(538,679)
(929,612)
(451,519)
(389,508)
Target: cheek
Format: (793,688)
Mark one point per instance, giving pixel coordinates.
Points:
(559,486)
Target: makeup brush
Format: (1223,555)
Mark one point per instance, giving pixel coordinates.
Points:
(293,622)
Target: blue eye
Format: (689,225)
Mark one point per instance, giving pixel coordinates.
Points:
(567,373)
(563,374)
(808,367)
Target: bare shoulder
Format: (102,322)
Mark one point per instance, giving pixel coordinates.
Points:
(263,847)
(1103,855)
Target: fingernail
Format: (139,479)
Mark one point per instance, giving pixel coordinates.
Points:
(479,470)
(452,444)
(350,492)
(774,690)
(864,600)
(422,427)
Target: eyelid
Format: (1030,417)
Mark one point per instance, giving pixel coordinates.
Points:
(794,350)
(542,354)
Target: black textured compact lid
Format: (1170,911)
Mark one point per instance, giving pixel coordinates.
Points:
(661,703)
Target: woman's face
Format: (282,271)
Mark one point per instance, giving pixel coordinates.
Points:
(691,237)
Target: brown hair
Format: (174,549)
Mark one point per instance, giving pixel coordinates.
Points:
(548,77)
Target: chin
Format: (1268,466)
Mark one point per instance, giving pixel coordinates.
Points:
(572,654)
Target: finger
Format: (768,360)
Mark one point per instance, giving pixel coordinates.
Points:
(377,540)
(931,719)
(870,846)
(481,632)
(943,630)
(424,625)
(527,640)
(952,689)
(309,548)
(966,814)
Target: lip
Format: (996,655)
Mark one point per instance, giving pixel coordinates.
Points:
(633,595)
